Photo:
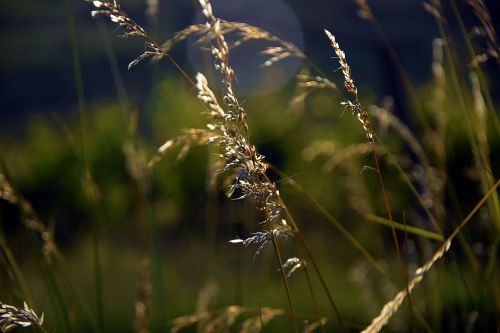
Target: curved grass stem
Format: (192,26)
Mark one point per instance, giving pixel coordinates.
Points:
(335,223)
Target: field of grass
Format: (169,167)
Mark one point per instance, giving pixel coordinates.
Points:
(308,206)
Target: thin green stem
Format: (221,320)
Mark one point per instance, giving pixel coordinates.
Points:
(313,296)
(335,223)
(407,277)
(318,273)
(117,77)
(82,108)
(51,282)
(303,243)
(78,297)
(16,271)
(77,72)
(99,298)
(387,206)
(473,212)
(405,228)
(474,262)
(287,287)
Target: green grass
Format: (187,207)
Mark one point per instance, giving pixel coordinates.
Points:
(90,190)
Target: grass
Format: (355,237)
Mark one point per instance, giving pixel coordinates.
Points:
(259,246)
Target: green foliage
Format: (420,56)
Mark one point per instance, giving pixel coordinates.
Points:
(133,242)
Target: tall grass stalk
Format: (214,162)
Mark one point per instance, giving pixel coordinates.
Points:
(16,270)
(87,179)
(51,284)
(360,113)
(238,159)
(121,91)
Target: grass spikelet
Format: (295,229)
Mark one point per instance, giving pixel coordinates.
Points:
(12,317)
(316,82)
(206,302)
(228,129)
(364,10)
(184,322)
(293,264)
(256,324)
(152,10)
(340,156)
(113,11)
(6,191)
(209,321)
(346,70)
(220,52)
(434,8)
(487,31)
(310,328)
(306,85)
(247,32)
(224,320)
(116,14)
(244,32)
(357,109)
(144,292)
(276,54)
(319,148)
(360,113)
(241,156)
(30,218)
(262,238)
(392,306)
(182,35)
(191,137)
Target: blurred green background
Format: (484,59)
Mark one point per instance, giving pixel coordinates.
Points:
(77,129)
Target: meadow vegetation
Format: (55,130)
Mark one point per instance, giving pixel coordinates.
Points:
(304,210)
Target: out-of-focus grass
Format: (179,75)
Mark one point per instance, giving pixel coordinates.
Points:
(46,167)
